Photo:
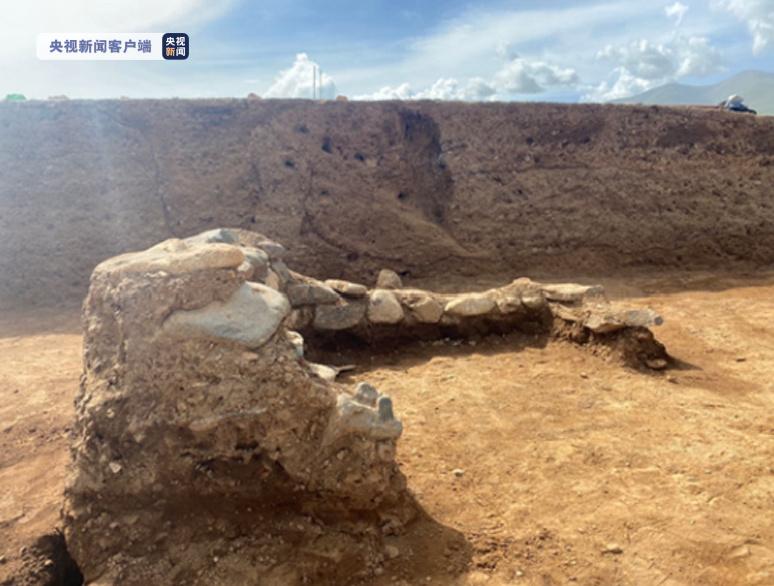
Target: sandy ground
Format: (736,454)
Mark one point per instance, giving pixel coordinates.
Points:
(535,465)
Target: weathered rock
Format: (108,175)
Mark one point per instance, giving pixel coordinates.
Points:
(250,316)
(341,316)
(298,342)
(175,257)
(571,292)
(275,250)
(366,394)
(327,373)
(300,317)
(508,298)
(384,307)
(260,261)
(311,294)
(423,306)
(469,305)
(388,279)
(533,300)
(356,418)
(347,289)
(604,321)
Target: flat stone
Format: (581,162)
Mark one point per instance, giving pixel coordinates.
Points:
(311,294)
(470,305)
(250,317)
(571,292)
(175,257)
(603,322)
(341,316)
(388,279)
(353,290)
(275,250)
(326,373)
(384,307)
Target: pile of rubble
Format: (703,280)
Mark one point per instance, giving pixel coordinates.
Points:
(207,449)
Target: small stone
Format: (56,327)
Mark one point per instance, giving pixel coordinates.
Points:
(115,467)
(2,559)
(741,359)
(259,260)
(656,364)
(353,290)
(388,279)
(342,316)
(384,308)
(326,373)
(366,394)
(391,551)
(297,340)
(311,294)
(275,250)
(612,548)
(384,408)
(533,299)
(423,307)
(458,472)
(48,563)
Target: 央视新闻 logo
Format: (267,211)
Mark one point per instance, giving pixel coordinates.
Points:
(175,46)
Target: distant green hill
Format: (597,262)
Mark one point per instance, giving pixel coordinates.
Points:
(756,87)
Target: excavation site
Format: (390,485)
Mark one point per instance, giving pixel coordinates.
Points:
(329,342)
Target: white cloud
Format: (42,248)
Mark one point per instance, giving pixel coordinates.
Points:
(676,11)
(642,59)
(758,15)
(475,89)
(625,85)
(642,65)
(516,76)
(298,80)
(522,76)
(697,57)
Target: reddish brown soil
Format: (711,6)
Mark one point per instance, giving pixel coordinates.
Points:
(573,469)
(428,189)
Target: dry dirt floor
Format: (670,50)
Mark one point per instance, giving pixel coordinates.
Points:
(534,463)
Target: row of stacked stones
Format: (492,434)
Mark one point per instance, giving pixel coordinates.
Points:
(196,400)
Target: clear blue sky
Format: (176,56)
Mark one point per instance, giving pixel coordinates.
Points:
(538,50)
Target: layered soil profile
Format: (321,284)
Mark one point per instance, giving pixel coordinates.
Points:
(426,189)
